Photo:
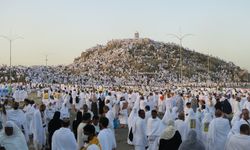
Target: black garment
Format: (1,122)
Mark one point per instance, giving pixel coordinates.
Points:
(171,144)
(101,105)
(71,99)
(226,107)
(94,108)
(76,123)
(77,99)
(54,125)
(2,148)
(218,105)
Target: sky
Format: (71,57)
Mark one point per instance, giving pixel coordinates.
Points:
(62,29)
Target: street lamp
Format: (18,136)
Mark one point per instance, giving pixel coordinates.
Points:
(208,66)
(11,39)
(46,60)
(180,38)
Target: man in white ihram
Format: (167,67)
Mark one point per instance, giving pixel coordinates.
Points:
(218,132)
(239,141)
(153,131)
(106,136)
(63,138)
(139,132)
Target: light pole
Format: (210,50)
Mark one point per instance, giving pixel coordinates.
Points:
(208,67)
(180,38)
(46,59)
(11,39)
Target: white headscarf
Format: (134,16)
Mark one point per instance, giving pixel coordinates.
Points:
(14,141)
(167,117)
(169,132)
(132,118)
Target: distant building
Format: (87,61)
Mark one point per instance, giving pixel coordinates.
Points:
(137,35)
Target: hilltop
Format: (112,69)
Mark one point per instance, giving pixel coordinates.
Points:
(153,61)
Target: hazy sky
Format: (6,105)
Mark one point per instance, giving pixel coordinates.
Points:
(63,29)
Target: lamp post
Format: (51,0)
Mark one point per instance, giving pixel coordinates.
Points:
(180,38)
(46,59)
(11,39)
(208,67)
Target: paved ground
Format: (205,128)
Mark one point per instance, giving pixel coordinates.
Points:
(121,139)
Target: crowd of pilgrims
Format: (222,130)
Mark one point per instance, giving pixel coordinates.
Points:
(72,118)
(124,74)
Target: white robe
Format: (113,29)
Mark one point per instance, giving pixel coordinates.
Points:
(182,127)
(236,106)
(64,139)
(217,133)
(238,142)
(79,104)
(151,103)
(24,94)
(131,120)
(153,133)
(93,147)
(18,117)
(29,113)
(64,112)
(139,133)
(192,118)
(168,104)
(142,104)
(205,128)
(174,113)
(147,115)
(164,121)
(81,137)
(236,117)
(38,129)
(161,105)
(236,127)
(111,117)
(16,96)
(246,105)
(106,138)
(123,117)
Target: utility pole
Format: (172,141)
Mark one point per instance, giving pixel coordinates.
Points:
(180,38)
(208,67)
(11,39)
(46,60)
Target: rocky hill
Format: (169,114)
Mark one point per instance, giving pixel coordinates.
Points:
(131,62)
(147,60)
